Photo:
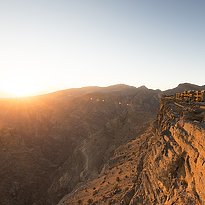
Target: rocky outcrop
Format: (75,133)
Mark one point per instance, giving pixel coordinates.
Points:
(163,166)
(174,167)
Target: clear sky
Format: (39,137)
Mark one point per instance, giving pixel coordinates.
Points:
(46,45)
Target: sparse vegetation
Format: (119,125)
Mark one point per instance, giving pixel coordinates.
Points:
(103,182)
(90,201)
(112,201)
(80,201)
(120,172)
(116,186)
(117,190)
(117,179)
(95,192)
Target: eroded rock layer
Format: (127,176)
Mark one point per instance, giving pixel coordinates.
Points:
(165,165)
(173,169)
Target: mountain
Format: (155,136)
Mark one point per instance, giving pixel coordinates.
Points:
(53,142)
(164,165)
(101,145)
(184,86)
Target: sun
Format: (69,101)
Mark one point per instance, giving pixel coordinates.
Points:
(20,87)
(20,91)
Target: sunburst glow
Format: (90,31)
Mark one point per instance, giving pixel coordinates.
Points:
(20,86)
(53,45)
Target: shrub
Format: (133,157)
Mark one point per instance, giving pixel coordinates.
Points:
(79,201)
(90,201)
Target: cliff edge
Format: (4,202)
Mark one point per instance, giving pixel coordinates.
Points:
(165,165)
(174,167)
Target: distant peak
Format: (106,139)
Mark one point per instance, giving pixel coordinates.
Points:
(143,87)
(119,86)
(184,84)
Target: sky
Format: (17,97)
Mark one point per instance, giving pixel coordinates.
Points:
(48,45)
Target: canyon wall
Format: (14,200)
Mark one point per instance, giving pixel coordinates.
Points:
(173,170)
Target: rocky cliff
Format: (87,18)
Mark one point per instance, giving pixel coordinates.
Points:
(165,165)
(173,170)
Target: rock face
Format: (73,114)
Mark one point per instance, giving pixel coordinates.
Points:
(173,170)
(165,165)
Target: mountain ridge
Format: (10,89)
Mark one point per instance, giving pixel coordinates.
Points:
(56,142)
(111,88)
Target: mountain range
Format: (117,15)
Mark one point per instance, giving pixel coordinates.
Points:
(52,145)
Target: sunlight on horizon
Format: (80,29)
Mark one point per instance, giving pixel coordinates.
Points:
(18,89)
(54,45)
(21,85)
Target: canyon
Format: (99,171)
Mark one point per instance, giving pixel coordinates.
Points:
(113,145)
(164,165)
